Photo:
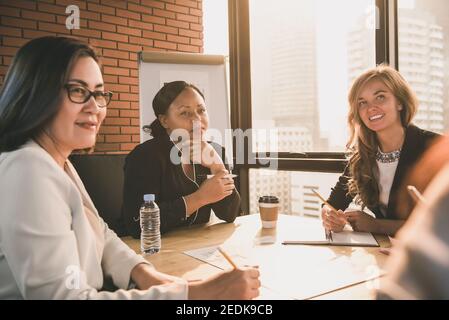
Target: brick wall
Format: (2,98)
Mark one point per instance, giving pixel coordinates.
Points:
(119,30)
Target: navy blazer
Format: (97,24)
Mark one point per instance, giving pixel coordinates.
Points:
(148,169)
(415,144)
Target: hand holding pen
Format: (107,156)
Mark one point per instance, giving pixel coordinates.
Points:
(333,219)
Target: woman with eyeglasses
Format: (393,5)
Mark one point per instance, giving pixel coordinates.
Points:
(383,146)
(53,243)
(174,165)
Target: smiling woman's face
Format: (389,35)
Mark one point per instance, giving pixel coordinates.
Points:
(76,125)
(378,107)
(188,107)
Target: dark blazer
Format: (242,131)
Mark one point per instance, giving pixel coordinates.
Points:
(148,169)
(415,144)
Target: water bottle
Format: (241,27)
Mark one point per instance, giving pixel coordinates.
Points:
(150,236)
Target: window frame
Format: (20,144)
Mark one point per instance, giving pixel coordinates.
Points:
(240,91)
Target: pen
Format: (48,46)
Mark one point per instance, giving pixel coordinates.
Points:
(227,257)
(328,233)
(415,194)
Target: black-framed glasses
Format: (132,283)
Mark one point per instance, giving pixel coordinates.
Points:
(80,94)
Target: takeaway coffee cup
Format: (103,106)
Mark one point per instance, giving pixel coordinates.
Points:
(268,208)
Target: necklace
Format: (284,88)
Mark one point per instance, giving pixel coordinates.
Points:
(388,157)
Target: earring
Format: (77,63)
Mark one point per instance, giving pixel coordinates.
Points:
(399,107)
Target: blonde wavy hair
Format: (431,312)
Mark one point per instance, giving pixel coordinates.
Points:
(363,144)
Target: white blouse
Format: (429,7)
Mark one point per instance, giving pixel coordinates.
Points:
(387,171)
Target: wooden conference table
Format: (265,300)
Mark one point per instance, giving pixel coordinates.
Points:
(287,271)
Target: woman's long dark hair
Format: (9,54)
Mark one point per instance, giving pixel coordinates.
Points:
(31,92)
(162,101)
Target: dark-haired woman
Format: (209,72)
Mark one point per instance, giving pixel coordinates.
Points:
(183,192)
(53,243)
(384,146)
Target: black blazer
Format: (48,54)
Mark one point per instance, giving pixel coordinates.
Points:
(148,169)
(415,144)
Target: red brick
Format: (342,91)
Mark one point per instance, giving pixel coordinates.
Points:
(165,29)
(129,31)
(114,20)
(196,27)
(113,113)
(66,3)
(135,122)
(118,88)
(129,47)
(115,36)
(109,62)
(129,97)
(188,48)
(13,32)
(136,138)
(130,130)
(164,13)
(135,105)
(115,3)
(100,9)
(52,27)
(128,14)
(187,3)
(117,71)
(196,12)
(133,56)
(153,19)
(140,9)
(176,8)
(104,44)
(118,138)
(102,147)
(140,25)
(129,113)
(8,11)
(3,70)
(7,61)
(21,23)
(119,104)
(187,18)
(178,39)
(128,64)
(196,42)
(102,26)
(128,80)
(31,34)
(115,54)
(177,24)
(31,5)
(189,33)
(87,33)
(154,35)
(14,42)
(141,41)
(108,129)
(45,7)
(117,121)
(128,146)
(109,78)
(134,73)
(154,4)
(134,89)
(8,51)
(165,45)
(41,16)
(90,15)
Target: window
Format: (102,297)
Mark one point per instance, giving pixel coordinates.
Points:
(424,58)
(303,60)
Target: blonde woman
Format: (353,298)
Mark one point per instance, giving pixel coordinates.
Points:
(383,145)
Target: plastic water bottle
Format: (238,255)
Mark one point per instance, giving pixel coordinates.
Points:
(150,235)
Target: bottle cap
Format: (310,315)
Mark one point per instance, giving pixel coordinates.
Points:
(148,197)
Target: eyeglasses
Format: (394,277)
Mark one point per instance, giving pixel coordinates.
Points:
(79,94)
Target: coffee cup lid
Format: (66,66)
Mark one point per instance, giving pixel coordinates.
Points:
(269,199)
